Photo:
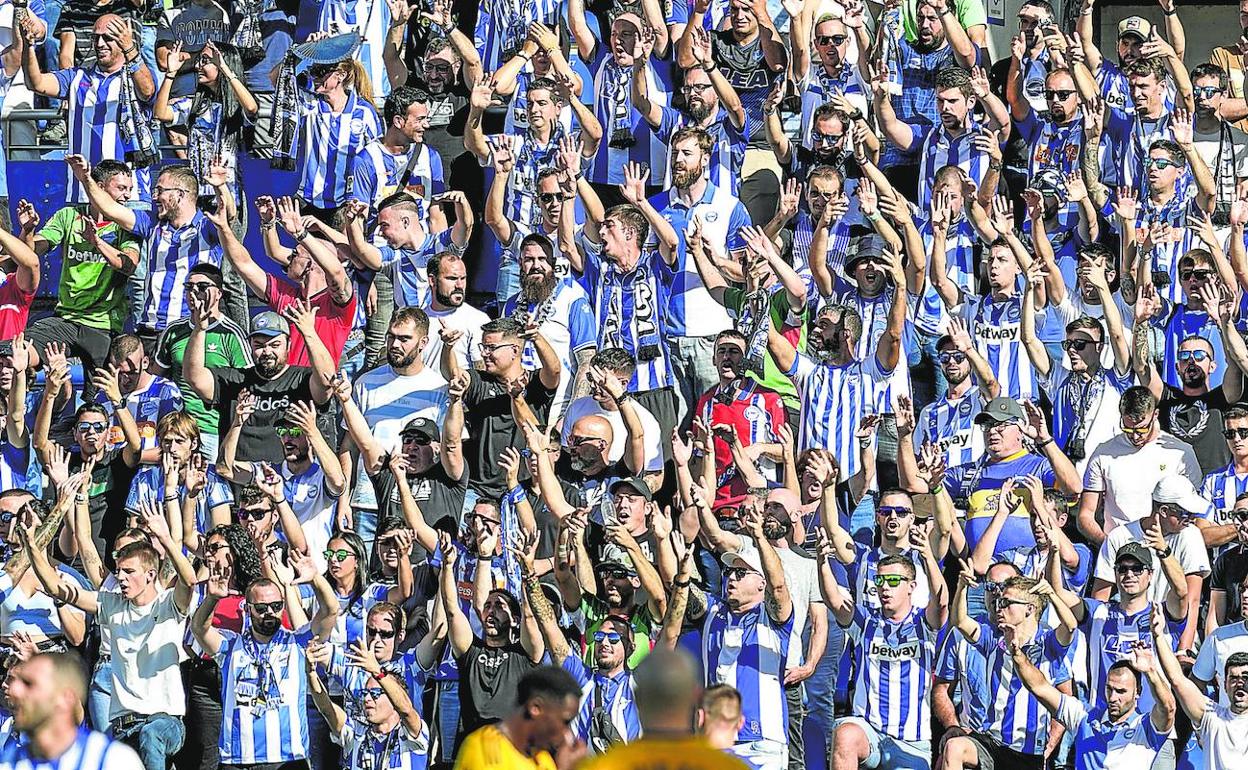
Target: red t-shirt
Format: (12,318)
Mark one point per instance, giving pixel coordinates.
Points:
(14,307)
(756,412)
(333,321)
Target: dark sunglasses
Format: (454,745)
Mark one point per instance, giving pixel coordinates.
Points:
(900,511)
(549,197)
(1160,163)
(1193,355)
(736,573)
(947,358)
(1132,569)
(255,514)
(892,581)
(7,517)
(200,286)
(92,427)
(382,633)
(1235,433)
(372,692)
(1200,275)
(1061,94)
(613,573)
(417,439)
(1004,601)
(830,39)
(607,636)
(1078,345)
(212,548)
(269,607)
(1240,514)
(1206,92)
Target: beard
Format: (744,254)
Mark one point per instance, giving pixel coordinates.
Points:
(268,626)
(698,110)
(581,464)
(268,366)
(537,288)
(454,299)
(398,360)
(1193,376)
(774,529)
(683,176)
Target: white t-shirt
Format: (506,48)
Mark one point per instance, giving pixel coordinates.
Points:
(389,401)
(1224,736)
(801,578)
(1187,544)
(1126,476)
(586,405)
(146,646)
(465,318)
(1217,648)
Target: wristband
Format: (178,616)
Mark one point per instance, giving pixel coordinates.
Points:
(995,165)
(133,65)
(623,397)
(1043,444)
(1171,12)
(1165,554)
(300,236)
(382,674)
(681,583)
(708,67)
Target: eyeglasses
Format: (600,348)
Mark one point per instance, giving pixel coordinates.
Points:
(830,39)
(489,350)
(736,573)
(1206,92)
(1200,275)
(698,87)
(382,633)
(1141,430)
(339,554)
(550,197)
(948,358)
(244,514)
(271,608)
(613,573)
(1005,601)
(819,137)
(200,286)
(1193,355)
(288,432)
(437,67)
(92,427)
(417,439)
(892,581)
(990,425)
(607,636)
(374,693)
(1129,569)
(1079,344)
(212,548)
(1240,514)
(1159,163)
(1231,433)
(1060,94)
(900,511)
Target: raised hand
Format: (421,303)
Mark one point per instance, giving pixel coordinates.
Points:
(175,59)
(270,482)
(288,216)
(1037,428)
(301,314)
(634,187)
(79,167)
(27,217)
(266,208)
(482,95)
(244,406)
(501,156)
(1126,205)
(1181,127)
(302,414)
(1002,214)
(105,379)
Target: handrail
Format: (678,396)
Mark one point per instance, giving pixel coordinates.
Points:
(35,114)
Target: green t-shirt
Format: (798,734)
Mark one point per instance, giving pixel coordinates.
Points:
(225,346)
(970,13)
(781,315)
(595,611)
(92,293)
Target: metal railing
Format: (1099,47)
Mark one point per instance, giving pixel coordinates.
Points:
(33,116)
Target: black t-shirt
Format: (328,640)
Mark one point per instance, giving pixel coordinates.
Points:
(258,442)
(488,677)
(438,495)
(110,485)
(447,114)
(80,16)
(1230,570)
(193,24)
(492,428)
(1198,421)
(746,68)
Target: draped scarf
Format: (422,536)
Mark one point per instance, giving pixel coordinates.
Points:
(135,127)
(753,323)
(639,285)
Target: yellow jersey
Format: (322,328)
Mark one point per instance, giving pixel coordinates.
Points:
(692,753)
(489,749)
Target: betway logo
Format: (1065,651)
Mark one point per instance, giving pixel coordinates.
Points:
(907,651)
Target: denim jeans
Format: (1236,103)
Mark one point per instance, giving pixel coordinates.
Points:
(157,739)
(148,51)
(508,279)
(448,717)
(821,698)
(924,395)
(100,696)
(693,363)
(52,44)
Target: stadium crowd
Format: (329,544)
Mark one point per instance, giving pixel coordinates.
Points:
(897,387)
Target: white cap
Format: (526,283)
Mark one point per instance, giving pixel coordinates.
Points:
(1178,490)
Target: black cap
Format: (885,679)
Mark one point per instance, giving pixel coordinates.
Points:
(870,246)
(639,485)
(421,426)
(1138,551)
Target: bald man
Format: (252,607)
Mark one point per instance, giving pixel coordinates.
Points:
(667,689)
(48,695)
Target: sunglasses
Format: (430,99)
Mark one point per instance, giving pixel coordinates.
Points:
(1193,355)
(1078,345)
(607,636)
(1240,514)
(288,432)
(268,607)
(736,573)
(200,287)
(254,514)
(1206,92)
(819,137)
(212,548)
(1140,431)
(7,517)
(1176,511)
(1007,602)
(1159,163)
(1060,94)
(374,693)
(892,581)
(830,39)
(92,427)
(339,554)
(418,439)
(993,588)
(1129,569)
(1200,275)
(947,358)
(549,197)
(382,633)
(1230,433)
(900,511)
(613,573)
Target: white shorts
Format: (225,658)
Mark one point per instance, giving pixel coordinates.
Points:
(889,752)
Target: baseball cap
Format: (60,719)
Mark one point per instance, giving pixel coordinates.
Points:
(1138,551)
(269,324)
(1001,409)
(1135,25)
(619,558)
(1178,490)
(421,427)
(1050,182)
(870,246)
(641,487)
(745,560)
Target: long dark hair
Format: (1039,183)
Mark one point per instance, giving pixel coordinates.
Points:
(244,556)
(204,97)
(356,544)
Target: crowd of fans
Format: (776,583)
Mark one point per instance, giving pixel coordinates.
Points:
(898,386)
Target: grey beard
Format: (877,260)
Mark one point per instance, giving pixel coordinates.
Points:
(537,291)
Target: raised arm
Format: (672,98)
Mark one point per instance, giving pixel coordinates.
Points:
(779,601)
(103,202)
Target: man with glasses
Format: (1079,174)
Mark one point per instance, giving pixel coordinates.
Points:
(264,680)
(1224,487)
(225,346)
(1170,532)
(1228,594)
(1222,146)
(831,75)
(1123,471)
(148,396)
(1192,323)
(948,423)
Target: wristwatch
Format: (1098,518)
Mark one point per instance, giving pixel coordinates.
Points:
(1166,552)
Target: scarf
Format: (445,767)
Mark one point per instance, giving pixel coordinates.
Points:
(753,323)
(282,124)
(248,38)
(640,287)
(617,91)
(135,127)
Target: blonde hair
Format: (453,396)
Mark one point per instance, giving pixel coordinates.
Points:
(357,78)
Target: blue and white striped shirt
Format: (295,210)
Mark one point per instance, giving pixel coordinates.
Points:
(612,694)
(894,661)
(950,426)
(818,87)
(994,325)
(376,172)
(327,143)
(834,399)
(351,679)
(1014,716)
(371,18)
(171,252)
(89,751)
(613,107)
(366,749)
(728,145)
(264,692)
(938,149)
(630,310)
(1221,488)
(747,650)
(1112,636)
(503,24)
(1104,745)
(916,104)
(409,268)
(531,159)
(1179,324)
(149,486)
(95,124)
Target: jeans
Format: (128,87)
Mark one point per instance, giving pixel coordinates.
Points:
(52,44)
(157,738)
(821,698)
(693,363)
(202,680)
(797,716)
(378,320)
(100,695)
(148,51)
(923,393)
(448,717)
(508,279)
